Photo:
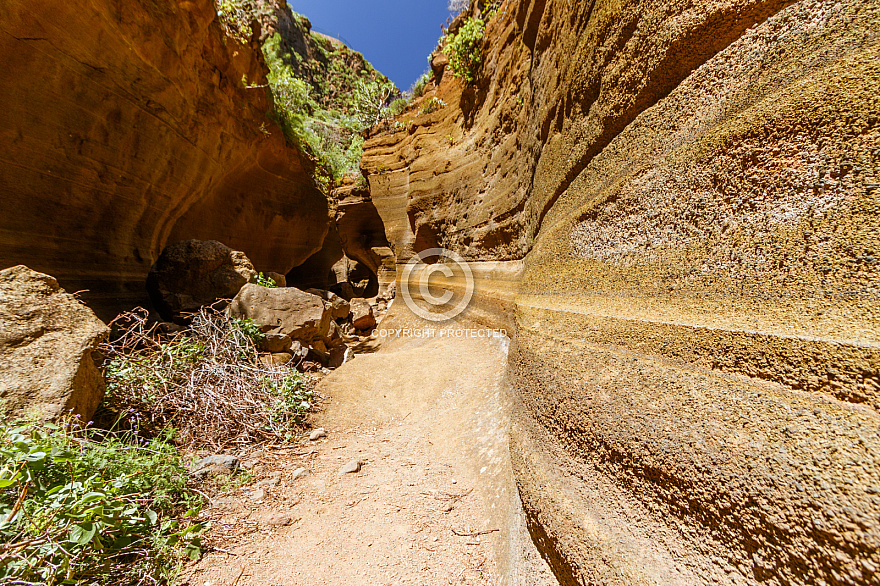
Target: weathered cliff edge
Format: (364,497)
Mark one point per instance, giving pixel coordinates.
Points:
(126,126)
(694,191)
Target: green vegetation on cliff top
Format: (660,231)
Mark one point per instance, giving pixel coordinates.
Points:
(325,93)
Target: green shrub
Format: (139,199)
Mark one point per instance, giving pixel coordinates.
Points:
(264,281)
(398,106)
(291,94)
(79,509)
(370,99)
(432,105)
(465,49)
(491,9)
(331,137)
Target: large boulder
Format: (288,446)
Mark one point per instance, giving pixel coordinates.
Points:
(47,339)
(194,273)
(300,315)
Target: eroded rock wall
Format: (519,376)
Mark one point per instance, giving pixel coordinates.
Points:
(126,126)
(694,190)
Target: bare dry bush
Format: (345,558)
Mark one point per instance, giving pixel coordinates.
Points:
(206,383)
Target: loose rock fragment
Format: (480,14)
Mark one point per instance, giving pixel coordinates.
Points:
(351,468)
(299,473)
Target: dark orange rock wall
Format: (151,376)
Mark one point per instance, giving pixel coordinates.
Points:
(125,126)
(693,188)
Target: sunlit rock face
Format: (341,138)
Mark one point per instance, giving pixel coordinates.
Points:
(693,189)
(126,126)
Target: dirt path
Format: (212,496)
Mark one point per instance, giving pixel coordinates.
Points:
(433,502)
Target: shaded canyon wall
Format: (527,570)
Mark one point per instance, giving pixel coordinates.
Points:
(126,126)
(693,189)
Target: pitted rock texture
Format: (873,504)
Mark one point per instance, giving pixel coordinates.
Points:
(47,341)
(693,188)
(126,126)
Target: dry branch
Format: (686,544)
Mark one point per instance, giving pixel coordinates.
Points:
(206,382)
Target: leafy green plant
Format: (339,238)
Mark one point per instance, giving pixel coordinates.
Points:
(465,49)
(264,281)
(235,17)
(290,395)
(398,106)
(76,508)
(245,335)
(370,99)
(418,88)
(432,105)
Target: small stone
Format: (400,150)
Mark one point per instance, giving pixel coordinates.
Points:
(279,519)
(339,356)
(317,434)
(273,360)
(351,468)
(258,494)
(298,473)
(447,507)
(269,482)
(214,465)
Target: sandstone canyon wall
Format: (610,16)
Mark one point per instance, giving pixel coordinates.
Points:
(128,125)
(693,190)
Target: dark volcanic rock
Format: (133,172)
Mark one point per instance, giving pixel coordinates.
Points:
(194,273)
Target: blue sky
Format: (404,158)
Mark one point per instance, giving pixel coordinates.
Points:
(396,36)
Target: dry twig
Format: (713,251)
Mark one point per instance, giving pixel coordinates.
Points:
(205,382)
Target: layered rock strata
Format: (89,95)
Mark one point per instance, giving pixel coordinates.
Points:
(128,126)
(693,189)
